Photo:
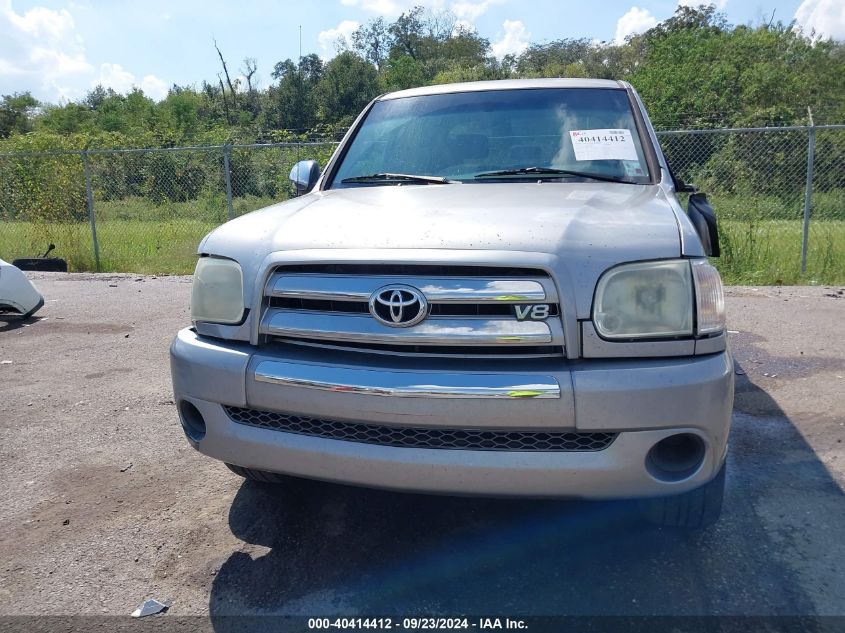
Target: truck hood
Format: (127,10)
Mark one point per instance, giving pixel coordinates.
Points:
(586,227)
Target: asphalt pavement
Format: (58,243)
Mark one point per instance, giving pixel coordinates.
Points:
(104,504)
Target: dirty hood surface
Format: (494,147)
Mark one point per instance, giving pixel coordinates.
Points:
(588,227)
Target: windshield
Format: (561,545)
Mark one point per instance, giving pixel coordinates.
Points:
(467,135)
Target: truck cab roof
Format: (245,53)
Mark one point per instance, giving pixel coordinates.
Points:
(504,84)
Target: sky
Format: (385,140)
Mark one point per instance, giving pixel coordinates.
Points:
(60,49)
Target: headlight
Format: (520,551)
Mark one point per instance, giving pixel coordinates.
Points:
(645,300)
(218,292)
(656,299)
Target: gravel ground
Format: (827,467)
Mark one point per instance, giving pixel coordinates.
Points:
(104,504)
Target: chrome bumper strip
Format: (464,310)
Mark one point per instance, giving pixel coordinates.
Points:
(406,384)
(435,289)
(433,331)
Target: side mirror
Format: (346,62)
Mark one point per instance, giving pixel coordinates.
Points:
(304,176)
(704,220)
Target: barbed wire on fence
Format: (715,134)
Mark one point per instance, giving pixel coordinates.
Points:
(145,209)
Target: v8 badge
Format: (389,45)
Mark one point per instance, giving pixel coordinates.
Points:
(536,312)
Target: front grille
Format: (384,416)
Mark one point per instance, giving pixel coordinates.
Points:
(415,437)
(487,309)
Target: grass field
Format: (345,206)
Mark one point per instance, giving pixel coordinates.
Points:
(761,252)
(163,242)
(768,252)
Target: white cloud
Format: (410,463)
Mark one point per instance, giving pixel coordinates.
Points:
(39,49)
(635,21)
(514,40)
(469,12)
(154,87)
(389,8)
(825,17)
(119,79)
(115,77)
(331,39)
(720,4)
(38,21)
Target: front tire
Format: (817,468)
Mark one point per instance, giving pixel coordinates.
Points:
(699,508)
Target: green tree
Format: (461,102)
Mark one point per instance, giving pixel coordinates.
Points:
(407,33)
(290,105)
(372,41)
(697,71)
(402,72)
(181,111)
(466,47)
(347,85)
(540,60)
(16,112)
(70,118)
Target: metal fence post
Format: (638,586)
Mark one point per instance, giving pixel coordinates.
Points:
(808,192)
(89,195)
(228,178)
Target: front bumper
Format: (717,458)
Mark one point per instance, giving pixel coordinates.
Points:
(644,400)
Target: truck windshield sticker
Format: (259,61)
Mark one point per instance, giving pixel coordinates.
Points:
(632,168)
(603,144)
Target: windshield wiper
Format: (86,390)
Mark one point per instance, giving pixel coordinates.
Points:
(387,176)
(549,171)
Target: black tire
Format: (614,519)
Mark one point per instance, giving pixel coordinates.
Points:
(699,508)
(258,475)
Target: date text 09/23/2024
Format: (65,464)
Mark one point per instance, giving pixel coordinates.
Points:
(417,623)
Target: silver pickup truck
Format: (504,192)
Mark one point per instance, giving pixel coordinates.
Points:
(490,289)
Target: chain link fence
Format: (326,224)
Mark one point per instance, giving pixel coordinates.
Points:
(141,210)
(779,194)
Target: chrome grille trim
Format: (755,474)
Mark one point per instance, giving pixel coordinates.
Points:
(471,309)
(407,384)
(336,326)
(423,437)
(456,269)
(435,289)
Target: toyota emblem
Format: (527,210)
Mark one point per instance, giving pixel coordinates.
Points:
(398,305)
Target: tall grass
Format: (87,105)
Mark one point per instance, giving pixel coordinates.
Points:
(768,252)
(133,234)
(157,247)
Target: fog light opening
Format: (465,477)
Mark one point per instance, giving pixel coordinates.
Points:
(675,457)
(192,421)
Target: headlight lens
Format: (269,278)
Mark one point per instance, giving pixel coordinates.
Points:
(218,292)
(709,297)
(645,300)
